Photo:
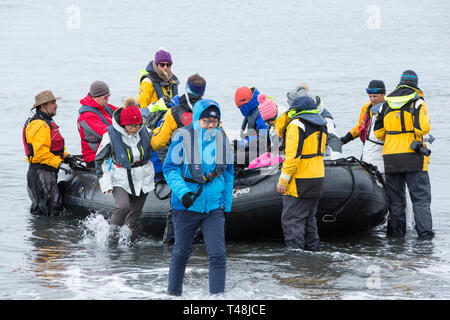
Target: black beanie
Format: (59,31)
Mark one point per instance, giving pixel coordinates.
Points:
(377,84)
(210,112)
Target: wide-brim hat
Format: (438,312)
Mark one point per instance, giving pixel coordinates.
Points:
(44,97)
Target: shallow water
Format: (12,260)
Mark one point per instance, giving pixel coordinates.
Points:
(335,49)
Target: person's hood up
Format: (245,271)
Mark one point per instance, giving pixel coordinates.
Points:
(201,106)
(249,107)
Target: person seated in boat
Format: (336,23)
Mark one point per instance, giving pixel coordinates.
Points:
(302,174)
(202,191)
(46,154)
(95,115)
(157,87)
(372,151)
(157,80)
(269,112)
(178,116)
(253,128)
(334,147)
(124,168)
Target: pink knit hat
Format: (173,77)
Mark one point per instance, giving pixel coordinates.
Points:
(267,108)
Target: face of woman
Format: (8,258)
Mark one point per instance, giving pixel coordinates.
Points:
(132,129)
(164,66)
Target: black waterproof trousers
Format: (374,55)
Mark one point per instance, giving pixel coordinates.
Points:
(42,187)
(298,220)
(420,192)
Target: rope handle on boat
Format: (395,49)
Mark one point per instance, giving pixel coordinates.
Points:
(331,217)
(370,168)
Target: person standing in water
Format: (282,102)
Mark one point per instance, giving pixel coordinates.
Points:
(124,168)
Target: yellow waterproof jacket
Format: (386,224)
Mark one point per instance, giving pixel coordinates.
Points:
(163,133)
(147,93)
(355,131)
(303,169)
(281,123)
(38,134)
(403,119)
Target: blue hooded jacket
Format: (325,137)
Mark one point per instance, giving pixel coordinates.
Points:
(248,108)
(216,194)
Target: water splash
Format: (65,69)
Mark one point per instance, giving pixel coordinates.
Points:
(97,230)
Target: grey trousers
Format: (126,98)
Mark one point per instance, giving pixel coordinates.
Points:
(420,192)
(128,209)
(298,220)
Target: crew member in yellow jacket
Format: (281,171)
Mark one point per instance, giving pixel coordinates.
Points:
(45,152)
(401,124)
(302,174)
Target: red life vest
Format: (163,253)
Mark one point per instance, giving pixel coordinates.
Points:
(57,141)
(365,125)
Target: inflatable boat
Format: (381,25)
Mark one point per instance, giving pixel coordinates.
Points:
(353,200)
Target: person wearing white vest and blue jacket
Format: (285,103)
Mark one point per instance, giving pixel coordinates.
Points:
(199,170)
(124,168)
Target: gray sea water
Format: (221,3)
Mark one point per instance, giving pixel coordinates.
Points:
(334,47)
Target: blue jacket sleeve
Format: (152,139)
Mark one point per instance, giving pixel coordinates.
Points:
(260,124)
(172,169)
(228,176)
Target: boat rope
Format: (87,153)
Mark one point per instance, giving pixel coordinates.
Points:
(331,217)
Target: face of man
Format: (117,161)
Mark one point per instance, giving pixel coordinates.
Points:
(102,100)
(376,98)
(50,108)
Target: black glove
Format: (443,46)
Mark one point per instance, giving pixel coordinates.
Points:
(187,200)
(347,138)
(69,159)
(167,102)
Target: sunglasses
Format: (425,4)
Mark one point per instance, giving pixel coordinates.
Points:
(163,65)
(375,90)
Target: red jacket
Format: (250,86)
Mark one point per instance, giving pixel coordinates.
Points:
(92,123)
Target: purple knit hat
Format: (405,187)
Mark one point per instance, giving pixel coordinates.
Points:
(162,56)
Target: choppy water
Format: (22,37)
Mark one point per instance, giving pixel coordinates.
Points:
(335,49)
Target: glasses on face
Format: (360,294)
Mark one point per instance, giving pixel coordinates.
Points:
(164,65)
(134,126)
(374,90)
(208,122)
(107,96)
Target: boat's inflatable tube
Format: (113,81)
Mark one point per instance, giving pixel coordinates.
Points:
(353,200)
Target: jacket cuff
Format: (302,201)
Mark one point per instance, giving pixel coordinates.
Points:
(284,179)
(347,138)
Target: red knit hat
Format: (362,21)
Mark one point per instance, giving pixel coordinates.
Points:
(130,115)
(242,96)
